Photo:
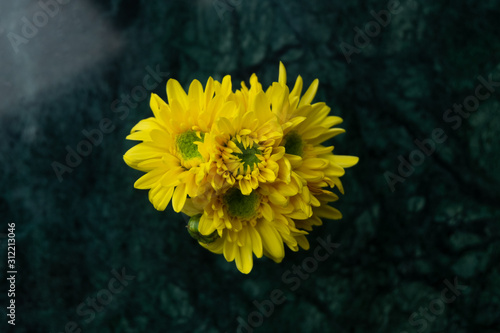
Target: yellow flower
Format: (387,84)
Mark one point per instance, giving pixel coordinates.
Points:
(244,145)
(248,167)
(305,127)
(247,225)
(169,151)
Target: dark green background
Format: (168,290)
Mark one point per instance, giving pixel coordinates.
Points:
(397,248)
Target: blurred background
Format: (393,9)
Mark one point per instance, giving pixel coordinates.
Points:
(417,83)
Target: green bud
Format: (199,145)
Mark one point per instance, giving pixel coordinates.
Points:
(192,228)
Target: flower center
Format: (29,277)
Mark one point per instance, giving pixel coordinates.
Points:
(239,205)
(294,144)
(248,154)
(186,144)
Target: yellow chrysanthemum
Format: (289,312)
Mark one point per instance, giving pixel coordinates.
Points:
(247,225)
(248,166)
(243,145)
(305,127)
(169,152)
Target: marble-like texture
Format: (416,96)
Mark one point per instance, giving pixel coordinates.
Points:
(396,248)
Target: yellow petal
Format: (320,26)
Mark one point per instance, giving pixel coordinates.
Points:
(310,93)
(190,208)
(334,170)
(329,212)
(179,198)
(314,140)
(227,86)
(215,247)
(295,161)
(144,151)
(267,211)
(225,126)
(175,92)
(172,177)
(332,121)
(146,125)
(276,260)
(158,106)
(162,198)
(278,199)
(206,225)
(133,163)
(284,171)
(245,187)
(160,138)
(150,179)
(286,189)
(153,192)
(151,164)
(315,163)
(139,136)
(195,95)
(209,90)
(338,183)
(345,161)
(282,74)
(229,250)
(267,174)
(256,241)
(271,239)
(261,107)
(244,259)
(303,242)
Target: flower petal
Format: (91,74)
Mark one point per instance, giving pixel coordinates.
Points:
(175,92)
(179,197)
(310,93)
(244,259)
(148,180)
(229,250)
(271,239)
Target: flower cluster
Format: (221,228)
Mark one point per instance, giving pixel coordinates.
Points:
(248,166)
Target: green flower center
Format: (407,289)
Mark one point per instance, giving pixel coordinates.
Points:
(248,155)
(294,144)
(239,205)
(186,144)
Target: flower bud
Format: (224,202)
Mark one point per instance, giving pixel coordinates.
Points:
(192,228)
